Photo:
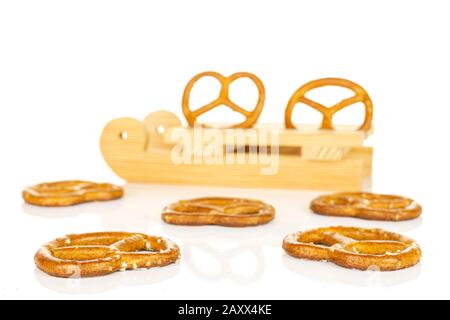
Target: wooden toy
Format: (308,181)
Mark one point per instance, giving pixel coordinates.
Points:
(160,149)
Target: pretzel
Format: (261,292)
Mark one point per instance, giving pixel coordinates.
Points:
(69,193)
(367,206)
(328,113)
(355,248)
(99,254)
(227,212)
(224,98)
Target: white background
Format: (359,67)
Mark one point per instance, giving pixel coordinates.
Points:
(69,67)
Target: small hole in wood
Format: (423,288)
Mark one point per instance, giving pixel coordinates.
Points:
(124,135)
(160,129)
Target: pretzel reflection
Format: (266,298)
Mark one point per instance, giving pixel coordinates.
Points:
(329,112)
(251,117)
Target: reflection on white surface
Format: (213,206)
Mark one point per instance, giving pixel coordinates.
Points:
(331,273)
(210,255)
(133,212)
(316,221)
(137,211)
(107,283)
(237,237)
(214,265)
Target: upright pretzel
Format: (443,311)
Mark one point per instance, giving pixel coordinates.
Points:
(328,113)
(68,193)
(99,254)
(367,206)
(251,117)
(228,212)
(355,248)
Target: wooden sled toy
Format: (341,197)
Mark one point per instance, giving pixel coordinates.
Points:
(325,158)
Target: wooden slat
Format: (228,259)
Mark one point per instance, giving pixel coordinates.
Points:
(132,160)
(342,137)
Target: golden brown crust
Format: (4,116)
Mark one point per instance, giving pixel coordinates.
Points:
(227,212)
(328,113)
(98,254)
(355,248)
(251,117)
(69,193)
(368,206)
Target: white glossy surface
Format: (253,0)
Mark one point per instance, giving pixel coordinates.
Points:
(217,262)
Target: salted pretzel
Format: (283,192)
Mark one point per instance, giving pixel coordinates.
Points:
(368,206)
(251,117)
(68,193)
(355,248)
(227,212)
(99,254)
(328,113)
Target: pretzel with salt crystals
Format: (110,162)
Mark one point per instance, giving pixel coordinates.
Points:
(328,113)
(99,254)
(69,193)
(355,248)
(251,117)
(227,212)
(368,206)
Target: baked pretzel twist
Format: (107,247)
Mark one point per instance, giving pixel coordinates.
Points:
(367,206)
(355,248)
(68,193)
(224,98)
(227,212)
(328,113)
(99,254)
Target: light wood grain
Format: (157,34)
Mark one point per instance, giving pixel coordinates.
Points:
(134,160)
